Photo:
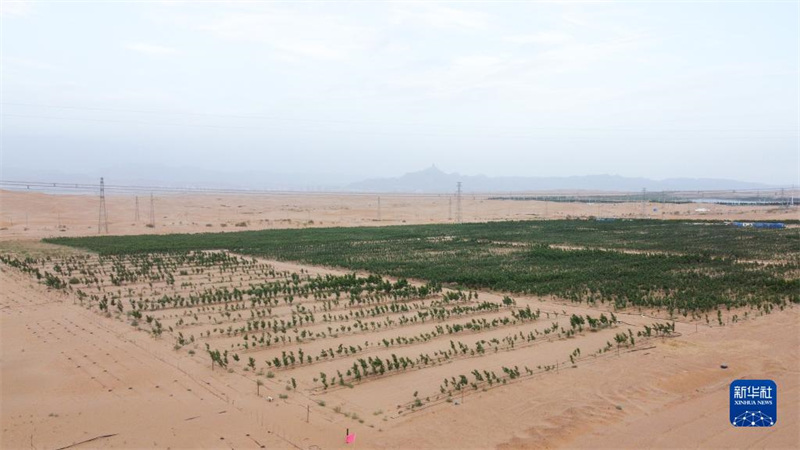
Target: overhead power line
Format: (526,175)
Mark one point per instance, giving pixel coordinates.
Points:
(89,187)
(134,189)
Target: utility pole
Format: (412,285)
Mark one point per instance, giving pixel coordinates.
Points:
(379,209)
(137,209)
(152,213)
(458,202)
(102,219)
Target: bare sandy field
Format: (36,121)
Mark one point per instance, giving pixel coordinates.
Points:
(36,215)
(74,375)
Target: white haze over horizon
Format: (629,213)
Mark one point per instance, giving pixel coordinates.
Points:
(362,90)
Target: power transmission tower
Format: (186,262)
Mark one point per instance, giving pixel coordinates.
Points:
(644,196)
(102,219)
(152,213)
(458,203)
(449,209)
(137,209)
(379,209)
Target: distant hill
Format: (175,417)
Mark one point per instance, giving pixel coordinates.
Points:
(433,180)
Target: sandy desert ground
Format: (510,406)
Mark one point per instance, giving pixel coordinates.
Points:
(74,378)
(37,215)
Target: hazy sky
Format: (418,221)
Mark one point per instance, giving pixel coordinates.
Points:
(703,89)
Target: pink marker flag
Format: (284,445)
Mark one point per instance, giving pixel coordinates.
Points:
(350,438)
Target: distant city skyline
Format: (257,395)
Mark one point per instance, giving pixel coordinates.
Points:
(358,90)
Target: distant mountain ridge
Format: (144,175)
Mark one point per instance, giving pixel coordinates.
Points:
(434,180)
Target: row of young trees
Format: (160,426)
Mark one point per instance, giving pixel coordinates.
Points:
(306,318)
(373,367)
(485,379)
